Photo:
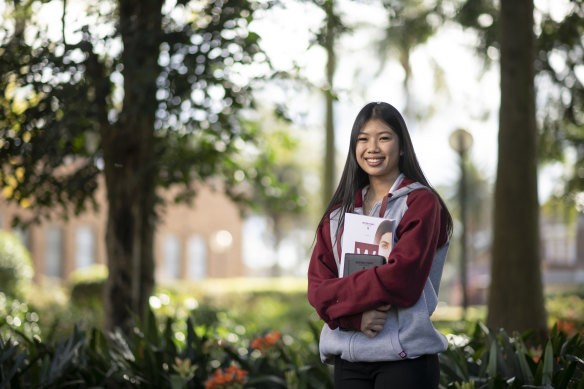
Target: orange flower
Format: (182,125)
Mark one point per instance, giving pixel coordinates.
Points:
(219,377)
(536,358)
(223,378)
(240,374)
(566,326)
(257,343)
(210,384)
(272,337)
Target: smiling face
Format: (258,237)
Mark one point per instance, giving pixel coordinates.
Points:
(377,151)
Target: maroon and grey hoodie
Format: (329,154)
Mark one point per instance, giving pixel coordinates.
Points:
(409,281)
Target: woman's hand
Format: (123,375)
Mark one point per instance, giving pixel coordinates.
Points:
(373,321)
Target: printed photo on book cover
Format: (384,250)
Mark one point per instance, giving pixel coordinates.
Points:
(368,235)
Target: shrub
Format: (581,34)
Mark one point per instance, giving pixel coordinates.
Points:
(567,309)
(16,269)
(87,285)
(498,361)
(14,314)
(244,306)
(156,355)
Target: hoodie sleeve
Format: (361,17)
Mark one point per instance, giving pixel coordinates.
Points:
(323,281)
(340,302)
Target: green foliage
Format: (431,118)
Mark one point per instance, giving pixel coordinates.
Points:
(153,356)
(559,49)
(411,23)
(16,269)
(483,17)
(241,306)
(62,98)
(162,352)
(18,315)
(567,309)
(87,285)
(497,360)
(196,330)
(271,181)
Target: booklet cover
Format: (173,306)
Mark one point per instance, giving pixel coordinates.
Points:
(357,262)
(365,235)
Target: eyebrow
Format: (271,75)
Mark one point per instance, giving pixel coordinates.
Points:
(380,133)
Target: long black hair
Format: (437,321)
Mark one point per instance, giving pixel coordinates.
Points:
(354,178)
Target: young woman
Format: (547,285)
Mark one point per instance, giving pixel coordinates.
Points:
(377,328)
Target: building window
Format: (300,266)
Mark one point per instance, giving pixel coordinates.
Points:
(22,235)
(560,245)
(84,247)
(196,258)
(54,252)
(171,256)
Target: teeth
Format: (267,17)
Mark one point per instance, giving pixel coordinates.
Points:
(374,160)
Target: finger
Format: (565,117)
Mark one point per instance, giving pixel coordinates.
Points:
(371,333)
(384,308)
(378,322)
(379,317)
(377,329)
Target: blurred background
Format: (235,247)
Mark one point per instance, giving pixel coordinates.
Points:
(180,153)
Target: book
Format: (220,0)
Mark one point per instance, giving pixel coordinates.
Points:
(366,236)
(357,262)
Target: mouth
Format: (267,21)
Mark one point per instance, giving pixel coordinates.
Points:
(374,161)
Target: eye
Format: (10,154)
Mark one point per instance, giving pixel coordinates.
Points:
(362,139)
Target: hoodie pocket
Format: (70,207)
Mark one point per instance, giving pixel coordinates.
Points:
(383,347)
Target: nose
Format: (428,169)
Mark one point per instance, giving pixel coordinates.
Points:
(373,146)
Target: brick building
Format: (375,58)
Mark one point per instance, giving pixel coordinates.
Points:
(197,241)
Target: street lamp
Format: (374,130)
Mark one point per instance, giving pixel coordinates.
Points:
(461,142)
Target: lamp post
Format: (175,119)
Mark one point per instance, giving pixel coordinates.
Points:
(461,142)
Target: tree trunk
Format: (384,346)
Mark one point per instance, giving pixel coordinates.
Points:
(516,293)
(329,158)
(130,168)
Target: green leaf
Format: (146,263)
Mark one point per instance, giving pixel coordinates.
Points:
(19,362)
(566,375)
(492,367)
(548,364)
(526,373)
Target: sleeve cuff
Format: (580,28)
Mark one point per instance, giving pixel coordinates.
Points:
(351,322)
